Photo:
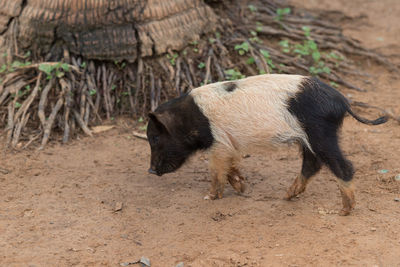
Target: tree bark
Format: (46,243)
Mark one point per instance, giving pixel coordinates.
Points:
(103,29)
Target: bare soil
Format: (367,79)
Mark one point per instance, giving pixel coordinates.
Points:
(92,203)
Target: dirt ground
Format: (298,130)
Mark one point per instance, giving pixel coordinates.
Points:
(57,206)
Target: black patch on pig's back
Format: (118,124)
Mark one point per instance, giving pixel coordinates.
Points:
(230,86)
(320,110)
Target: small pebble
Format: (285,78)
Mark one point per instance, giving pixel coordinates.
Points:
(180,264)
(397,199)
(397,177)
(145,261)
(383,171)
(373,229)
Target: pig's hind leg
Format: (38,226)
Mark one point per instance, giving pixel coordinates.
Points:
(311,165)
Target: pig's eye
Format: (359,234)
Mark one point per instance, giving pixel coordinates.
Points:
(156,139)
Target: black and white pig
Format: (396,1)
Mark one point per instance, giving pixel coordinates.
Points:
(230,118)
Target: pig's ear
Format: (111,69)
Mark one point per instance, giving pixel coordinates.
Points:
(163,121)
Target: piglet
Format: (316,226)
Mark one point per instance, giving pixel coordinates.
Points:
(232,117)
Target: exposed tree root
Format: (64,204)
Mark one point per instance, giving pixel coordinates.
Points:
(33,106)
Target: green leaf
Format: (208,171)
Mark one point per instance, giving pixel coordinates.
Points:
(201,65)
(3,68)
(259,28)
(92,92)
(286,10)
(140,119)
(59,74)
(265,53)
(241,52)
(250,60)
(65,66)
(83,64)
(326,69)
(284,43)
(113,87)
(18,105)
(243,46)
(46,68)
(27,54)
(316,55)
(234,74)
(254,33)
(252,8)
(312,45)
(17,64)
(307,31)
(333,84)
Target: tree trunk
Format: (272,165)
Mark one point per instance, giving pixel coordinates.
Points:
(102,29)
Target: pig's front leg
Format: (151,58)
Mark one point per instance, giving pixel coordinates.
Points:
(220,165)
(236,180)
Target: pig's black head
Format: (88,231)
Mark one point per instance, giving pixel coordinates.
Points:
(175,131)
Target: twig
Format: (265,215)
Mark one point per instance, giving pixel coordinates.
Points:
(139,135)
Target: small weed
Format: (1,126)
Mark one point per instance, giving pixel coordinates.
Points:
(3,68)
(59,68)
(234,74)
(333,84)
(242,48)
(250,60)
(285,46)
(258,26)
(201,65)
(281,12)
(172,58)
(267,58)
(252,8)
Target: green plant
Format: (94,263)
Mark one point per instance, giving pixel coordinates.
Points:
(234,74)
(201,65)
(59,69)
(285,46)
(172,58)
(267,58)
(333,84)
(255,38)
(281,12)
(258,26)
(252,8)
(242,48)
(319,68)
(250,60)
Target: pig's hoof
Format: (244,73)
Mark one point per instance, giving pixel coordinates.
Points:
(209,197)
(344,212)
(295,189)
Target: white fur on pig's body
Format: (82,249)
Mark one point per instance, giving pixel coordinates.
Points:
(255,113)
